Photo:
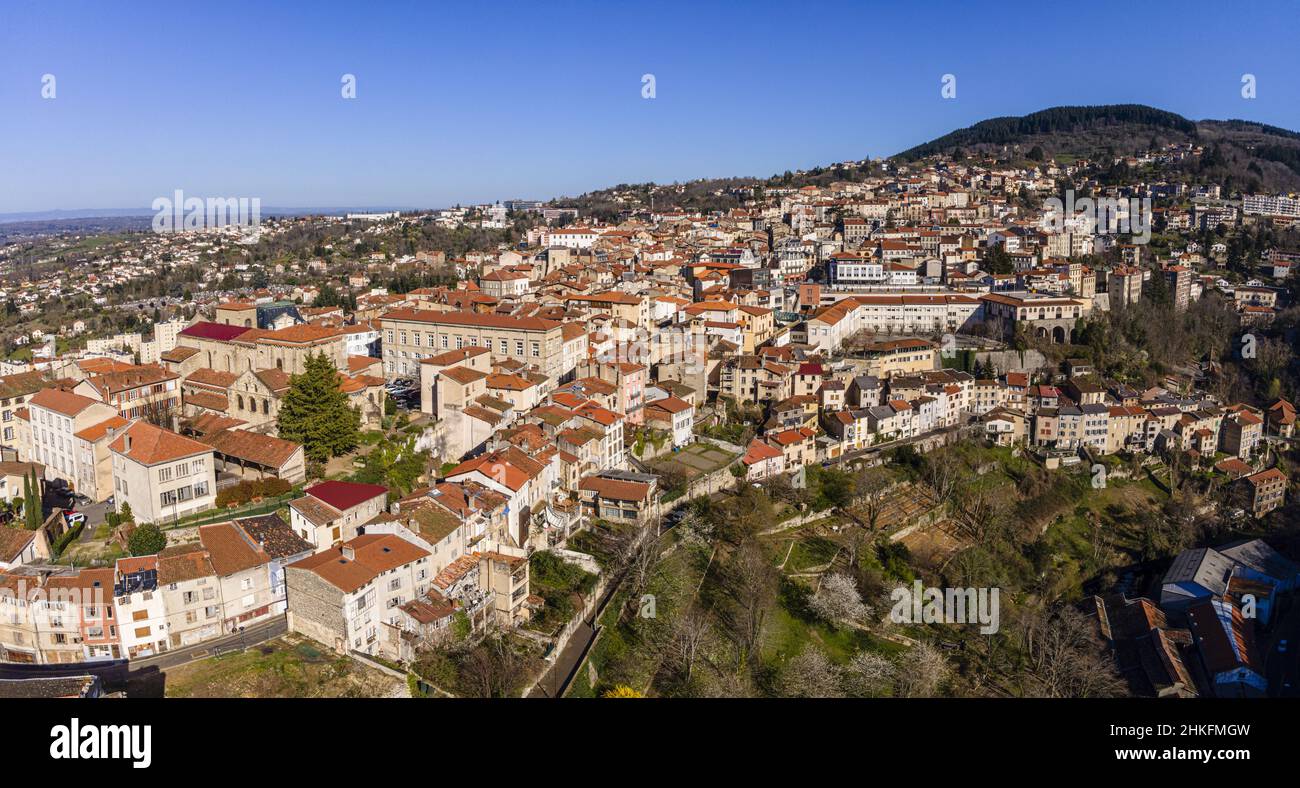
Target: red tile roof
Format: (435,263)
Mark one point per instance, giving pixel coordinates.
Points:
(151,445)
(217,331)
(59,401)
(345,495)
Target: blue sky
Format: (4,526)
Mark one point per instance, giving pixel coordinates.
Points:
(469,102)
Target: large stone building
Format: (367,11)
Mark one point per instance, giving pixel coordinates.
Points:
(411,335)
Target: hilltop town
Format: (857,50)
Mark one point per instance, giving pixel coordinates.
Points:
(675,442)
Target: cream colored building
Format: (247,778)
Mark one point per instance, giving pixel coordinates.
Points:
(411,335)
(58,418)
(162,475)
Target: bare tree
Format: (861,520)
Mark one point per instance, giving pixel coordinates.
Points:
(642,559)
(872,505)
(942,473)
(855,541)
(1065,659)
(924,670)
(688,638)
(158,411)
(491,670)
(870,496)
(978,513)
(751,584)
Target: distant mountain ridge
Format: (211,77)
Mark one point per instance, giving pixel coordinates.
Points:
(63,214)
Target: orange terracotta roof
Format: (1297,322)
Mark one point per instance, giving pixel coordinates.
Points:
(150,445)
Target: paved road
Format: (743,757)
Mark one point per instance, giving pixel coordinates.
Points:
(258,633)
(96,514)
(1283,669)
(557,677)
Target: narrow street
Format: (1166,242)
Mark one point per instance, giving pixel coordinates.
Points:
(1282,669)
(258,633)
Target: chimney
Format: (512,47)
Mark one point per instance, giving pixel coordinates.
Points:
(348,553)
(127,442)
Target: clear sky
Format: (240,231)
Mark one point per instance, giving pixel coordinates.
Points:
(473,101)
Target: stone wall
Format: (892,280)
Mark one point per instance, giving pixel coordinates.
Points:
(1013,360)
(315,608)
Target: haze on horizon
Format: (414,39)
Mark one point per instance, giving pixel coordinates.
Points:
(463,105)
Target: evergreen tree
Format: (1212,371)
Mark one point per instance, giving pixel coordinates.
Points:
(27,499)
(34,509)
(316,413)
(146,539)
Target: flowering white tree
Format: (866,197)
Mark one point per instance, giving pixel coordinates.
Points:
(838,602)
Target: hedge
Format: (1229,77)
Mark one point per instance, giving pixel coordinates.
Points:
(249,489)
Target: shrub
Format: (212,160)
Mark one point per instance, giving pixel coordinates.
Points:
(147,539)
(622,691)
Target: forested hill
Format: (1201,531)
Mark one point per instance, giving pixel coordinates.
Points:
(1239,155)
(1065,127)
